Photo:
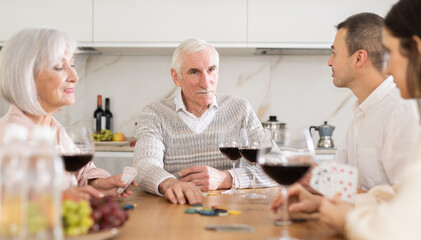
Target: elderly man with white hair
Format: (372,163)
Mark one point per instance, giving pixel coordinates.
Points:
(176,152)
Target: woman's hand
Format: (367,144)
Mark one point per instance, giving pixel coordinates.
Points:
(333,213)
(109,185)
(300,200)
(82,193)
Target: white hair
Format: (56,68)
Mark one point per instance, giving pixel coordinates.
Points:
(22,57)
(189,46)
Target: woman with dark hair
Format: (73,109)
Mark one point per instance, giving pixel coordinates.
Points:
(384,212)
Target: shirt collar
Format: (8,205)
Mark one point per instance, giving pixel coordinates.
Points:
(179,104)
(376,96)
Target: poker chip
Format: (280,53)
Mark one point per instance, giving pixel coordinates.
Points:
(207,212)
(196,205)
(234,212)
(191,210)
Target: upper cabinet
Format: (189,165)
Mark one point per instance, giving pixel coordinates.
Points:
(303,23)
(72,16)
(163,23)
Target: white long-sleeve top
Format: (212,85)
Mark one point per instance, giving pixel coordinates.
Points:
(381,138)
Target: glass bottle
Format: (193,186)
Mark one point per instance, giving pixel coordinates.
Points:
(13,183)
(45,174)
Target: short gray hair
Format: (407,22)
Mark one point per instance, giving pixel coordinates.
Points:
(187,47)
(22,57)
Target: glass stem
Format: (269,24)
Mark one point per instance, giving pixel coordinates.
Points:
(254,178)
(233,176)
(285,214)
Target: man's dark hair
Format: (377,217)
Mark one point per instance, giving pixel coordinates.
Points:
(364,32)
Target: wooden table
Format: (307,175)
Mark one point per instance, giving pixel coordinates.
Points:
(156,218)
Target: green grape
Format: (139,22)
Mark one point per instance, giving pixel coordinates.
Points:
(76,217)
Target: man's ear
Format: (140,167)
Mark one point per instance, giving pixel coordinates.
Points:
(175,78)
(360,57)
(418,41)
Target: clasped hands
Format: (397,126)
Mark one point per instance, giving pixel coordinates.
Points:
(193,180)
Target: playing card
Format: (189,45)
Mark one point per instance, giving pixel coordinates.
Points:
(331,178)
(321,180)
(346,182)
(230,228)
(129,174)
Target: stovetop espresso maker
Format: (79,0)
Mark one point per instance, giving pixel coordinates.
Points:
(325,133)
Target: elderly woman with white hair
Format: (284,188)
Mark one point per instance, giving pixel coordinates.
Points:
(37,78)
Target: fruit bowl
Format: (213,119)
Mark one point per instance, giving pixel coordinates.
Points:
(111,143)
(101,235)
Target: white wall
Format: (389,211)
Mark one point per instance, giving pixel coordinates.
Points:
(298,89)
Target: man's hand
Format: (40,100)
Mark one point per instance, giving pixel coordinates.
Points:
(300,200)
(180,192)
(206,178)
(333,213)
(109,185)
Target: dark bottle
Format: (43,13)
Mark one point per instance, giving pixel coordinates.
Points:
(108,115)
(99,116)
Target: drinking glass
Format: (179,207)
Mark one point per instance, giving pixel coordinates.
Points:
(80,153)
(254,144)
(288,167)
(228,145)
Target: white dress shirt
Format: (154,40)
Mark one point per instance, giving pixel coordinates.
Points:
(381,139)
(196,124)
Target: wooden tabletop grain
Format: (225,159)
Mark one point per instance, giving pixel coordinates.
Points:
(156,218)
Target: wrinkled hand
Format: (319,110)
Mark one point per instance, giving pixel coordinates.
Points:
(333,213)
(180,192)
(109,185)
(300,200)
(82,193)
(206,178)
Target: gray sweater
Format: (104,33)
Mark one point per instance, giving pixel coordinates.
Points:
(165,144)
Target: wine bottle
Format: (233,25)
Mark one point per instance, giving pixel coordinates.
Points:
(108,115)
(99,116)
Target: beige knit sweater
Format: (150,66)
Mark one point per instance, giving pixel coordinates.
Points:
(165,145)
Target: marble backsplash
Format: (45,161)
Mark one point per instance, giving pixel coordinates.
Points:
(296,88)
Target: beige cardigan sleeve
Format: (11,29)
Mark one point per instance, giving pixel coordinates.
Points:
(382,215)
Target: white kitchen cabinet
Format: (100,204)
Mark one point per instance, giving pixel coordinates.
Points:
(303,23)
(163,23)
(72,16)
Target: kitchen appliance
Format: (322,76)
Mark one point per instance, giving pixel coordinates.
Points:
(325,133)
(276,128)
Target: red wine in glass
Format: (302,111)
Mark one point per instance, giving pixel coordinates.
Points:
(73,163)
(231,153)
(286,173)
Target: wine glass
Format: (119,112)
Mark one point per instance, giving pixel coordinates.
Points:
(288,167)
(79,153)
(254,144)
(228,145)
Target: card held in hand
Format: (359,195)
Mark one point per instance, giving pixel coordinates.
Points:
(331,178)
(129,174)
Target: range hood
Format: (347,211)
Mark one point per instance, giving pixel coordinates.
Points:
(293,51)
(84,51)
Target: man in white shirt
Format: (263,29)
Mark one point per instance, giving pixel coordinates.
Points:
(383,134)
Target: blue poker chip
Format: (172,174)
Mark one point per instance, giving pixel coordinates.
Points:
(207,212)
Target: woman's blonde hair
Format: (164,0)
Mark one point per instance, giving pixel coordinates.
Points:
(22,57)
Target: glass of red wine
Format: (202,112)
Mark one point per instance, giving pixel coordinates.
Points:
(80,153)
(228,145)
(289,167)
(254,144)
